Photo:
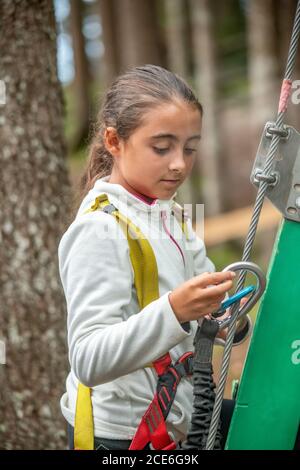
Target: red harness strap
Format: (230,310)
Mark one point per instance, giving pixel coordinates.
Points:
(152,428)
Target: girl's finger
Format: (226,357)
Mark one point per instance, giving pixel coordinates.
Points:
(244,301)
(211,279)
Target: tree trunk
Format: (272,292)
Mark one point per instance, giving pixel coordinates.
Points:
(82,77)
(139,36)
(176,36)
(108,18)
(206,86)
(35,195)
(263,62)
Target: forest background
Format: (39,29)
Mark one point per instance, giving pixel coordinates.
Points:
(57,59)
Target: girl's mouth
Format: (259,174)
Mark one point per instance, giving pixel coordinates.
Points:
(170,182)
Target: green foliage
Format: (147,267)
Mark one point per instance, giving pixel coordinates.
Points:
(232,50)
(224,254)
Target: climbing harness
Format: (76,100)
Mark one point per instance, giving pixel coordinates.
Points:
(265,178)
(152,429)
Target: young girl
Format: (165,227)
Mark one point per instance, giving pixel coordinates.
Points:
(145,146)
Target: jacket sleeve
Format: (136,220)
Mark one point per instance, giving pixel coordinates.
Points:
(97,279)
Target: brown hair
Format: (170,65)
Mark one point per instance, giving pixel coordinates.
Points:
(125,102)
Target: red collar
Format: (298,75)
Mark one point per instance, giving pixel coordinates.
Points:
(148,200)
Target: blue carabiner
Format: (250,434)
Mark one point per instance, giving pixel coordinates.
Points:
(232,300)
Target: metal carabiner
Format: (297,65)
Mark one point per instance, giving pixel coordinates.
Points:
(255,296)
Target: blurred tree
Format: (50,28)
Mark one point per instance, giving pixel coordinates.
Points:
(108,18)
(176,41)
(138,34)
(35,194)
(262,61)
(235,158)
(176,36)
(206,72)
(82,78)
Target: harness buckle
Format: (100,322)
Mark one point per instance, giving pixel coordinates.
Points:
(162,364)
(172,445)
(185,361)
(109,209)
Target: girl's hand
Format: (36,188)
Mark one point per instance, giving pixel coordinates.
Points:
(200,295)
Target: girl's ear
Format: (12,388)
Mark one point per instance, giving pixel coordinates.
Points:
(112,141)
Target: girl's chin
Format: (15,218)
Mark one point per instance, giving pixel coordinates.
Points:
(166,195)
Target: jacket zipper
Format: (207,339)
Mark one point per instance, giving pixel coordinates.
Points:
(164,217)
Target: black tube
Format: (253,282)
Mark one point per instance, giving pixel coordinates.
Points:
(204,386)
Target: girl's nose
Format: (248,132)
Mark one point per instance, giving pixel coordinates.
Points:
(177,162)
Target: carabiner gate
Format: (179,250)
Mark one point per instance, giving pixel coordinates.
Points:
(255,296)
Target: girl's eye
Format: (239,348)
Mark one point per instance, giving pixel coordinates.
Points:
(189,151)
(161,151)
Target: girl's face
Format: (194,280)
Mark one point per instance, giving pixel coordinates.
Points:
(160,153)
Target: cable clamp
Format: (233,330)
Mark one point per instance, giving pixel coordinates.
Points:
(271,179)
(282,132)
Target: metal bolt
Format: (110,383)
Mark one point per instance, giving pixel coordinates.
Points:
(297,203)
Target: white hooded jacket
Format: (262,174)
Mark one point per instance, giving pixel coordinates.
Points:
(110,339)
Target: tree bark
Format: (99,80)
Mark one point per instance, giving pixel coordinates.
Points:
(35,194)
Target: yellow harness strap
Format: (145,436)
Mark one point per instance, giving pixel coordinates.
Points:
(147,288)
(84,423)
